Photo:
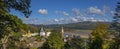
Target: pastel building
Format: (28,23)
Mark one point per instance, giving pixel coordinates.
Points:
(41,33)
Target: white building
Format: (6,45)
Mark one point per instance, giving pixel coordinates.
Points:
(42,32)
(48,34)
(34,34)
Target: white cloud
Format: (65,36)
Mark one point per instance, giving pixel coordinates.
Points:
(76,11)
(62,13)
(43,11)
(92,19)
(81,17)
(98,20)
(30,20)
(65,14)
(74,19)
(62,19)
(95,10)
(56,20)
(78,19)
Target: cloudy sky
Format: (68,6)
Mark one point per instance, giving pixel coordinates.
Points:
(69,11)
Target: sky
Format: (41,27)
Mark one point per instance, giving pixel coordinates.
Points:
(69,11)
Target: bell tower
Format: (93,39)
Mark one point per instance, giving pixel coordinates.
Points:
(62,32)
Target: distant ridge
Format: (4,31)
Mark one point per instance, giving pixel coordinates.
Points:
(78,25)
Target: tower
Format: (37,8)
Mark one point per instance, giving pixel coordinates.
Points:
(29,34)
(42,32)
(62,32)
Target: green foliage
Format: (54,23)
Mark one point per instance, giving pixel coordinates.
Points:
(39,38)
(75,43)
(98,36)
(20,5)
(33,48)
(54,41)
(116,26)
(9,22)
(13,41)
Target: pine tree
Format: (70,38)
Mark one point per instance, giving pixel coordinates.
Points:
(116,27)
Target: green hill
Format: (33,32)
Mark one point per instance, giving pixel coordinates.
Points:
(79,25)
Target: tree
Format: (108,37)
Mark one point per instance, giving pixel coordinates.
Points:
(20,5)
(9,22)
(98,36)
(54,41)
(14,42)
(116,27)
(75,43)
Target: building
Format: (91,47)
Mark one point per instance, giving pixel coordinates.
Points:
(28,34)
(48,33)
(42,32)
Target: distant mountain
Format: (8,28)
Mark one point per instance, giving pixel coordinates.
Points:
(78,25)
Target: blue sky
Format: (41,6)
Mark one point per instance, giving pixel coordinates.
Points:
(69,11)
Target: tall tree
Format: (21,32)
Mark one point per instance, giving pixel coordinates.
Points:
(98,36)
(116,27)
